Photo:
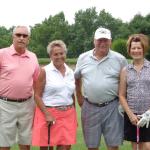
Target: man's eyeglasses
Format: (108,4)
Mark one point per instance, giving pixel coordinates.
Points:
(23,35)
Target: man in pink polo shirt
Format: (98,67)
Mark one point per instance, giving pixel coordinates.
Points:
(19,70)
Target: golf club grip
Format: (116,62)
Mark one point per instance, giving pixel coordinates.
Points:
(49,126)
(137,137)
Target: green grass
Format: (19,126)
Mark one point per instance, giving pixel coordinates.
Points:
(69,61)
(80,143)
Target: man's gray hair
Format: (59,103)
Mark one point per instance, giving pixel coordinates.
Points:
(19,26)
(52,44)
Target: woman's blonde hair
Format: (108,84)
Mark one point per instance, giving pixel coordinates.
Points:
(58,43)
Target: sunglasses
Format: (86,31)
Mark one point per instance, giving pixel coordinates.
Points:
(23,35)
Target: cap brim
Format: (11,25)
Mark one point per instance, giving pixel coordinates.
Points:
(103,37)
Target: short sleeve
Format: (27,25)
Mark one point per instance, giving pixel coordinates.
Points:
(77,72)
(37,70)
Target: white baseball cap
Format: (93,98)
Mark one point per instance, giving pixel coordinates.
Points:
(102,33)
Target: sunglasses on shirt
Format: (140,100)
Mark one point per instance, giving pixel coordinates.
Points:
(23,35)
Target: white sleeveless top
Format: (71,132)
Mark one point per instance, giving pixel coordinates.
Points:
(58,89)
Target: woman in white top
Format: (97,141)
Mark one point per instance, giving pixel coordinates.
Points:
(54,96)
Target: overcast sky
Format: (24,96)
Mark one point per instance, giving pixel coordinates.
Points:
(30,12)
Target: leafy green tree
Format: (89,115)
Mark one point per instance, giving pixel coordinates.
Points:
(79,35)
(119,45)
(5,37)
(81,32)
(140,24)
(51,29)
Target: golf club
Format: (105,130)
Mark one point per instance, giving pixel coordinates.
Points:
(49,126)
(137,137)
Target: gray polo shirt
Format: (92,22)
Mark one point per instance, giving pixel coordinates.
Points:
(100,78)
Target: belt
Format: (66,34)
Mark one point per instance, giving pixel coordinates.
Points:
(19,100)
(62,108)
(101,104)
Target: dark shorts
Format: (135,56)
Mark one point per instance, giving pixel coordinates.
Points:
(130,131)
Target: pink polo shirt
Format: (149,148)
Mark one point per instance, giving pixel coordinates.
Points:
(17,73)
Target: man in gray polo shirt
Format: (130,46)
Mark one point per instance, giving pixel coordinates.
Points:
(98,70)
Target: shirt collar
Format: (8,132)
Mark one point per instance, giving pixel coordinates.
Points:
(55,69)
(107,56)
(146,64)
(14,52)
(91,53)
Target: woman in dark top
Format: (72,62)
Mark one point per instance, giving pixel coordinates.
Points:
(134,93)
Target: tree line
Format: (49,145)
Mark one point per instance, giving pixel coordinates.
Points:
(79,35)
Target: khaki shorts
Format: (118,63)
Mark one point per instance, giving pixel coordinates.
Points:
(16,122)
